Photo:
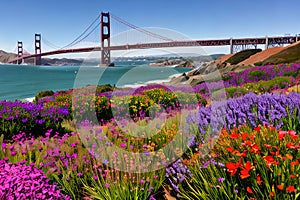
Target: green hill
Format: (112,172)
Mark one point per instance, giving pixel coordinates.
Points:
(288,55)
(241,56)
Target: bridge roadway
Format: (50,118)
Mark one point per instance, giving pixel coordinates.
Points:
(232,42)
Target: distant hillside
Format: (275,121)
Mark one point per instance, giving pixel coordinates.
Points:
(5,57)
(291,54)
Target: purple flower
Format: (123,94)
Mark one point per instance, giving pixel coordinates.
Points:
(221,179)
(123,145)
(107,185)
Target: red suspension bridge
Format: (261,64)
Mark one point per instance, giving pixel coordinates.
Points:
(105,47)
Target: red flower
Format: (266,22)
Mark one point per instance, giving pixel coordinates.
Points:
(244,136)
(294,163)
(257,129)
(272,194)
(293,176)
(249,190)
(293,135)
(281,134)
(259,181)
(290,145)
(245,171)
(268,159)
(234,136)
(280,187)
(255,149)
(230,149)
(290,189)
(232,167)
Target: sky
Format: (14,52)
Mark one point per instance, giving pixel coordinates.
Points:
(61,21)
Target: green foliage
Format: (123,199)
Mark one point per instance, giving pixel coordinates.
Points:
(235,91)
(257,73)
(241,56)
(104,88)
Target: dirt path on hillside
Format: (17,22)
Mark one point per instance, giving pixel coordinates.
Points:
(261,56)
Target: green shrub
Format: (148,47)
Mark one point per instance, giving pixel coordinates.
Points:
(241,56)
(104,88)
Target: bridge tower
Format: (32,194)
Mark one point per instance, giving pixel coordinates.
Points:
(38,49)
(20,52)
(105,38)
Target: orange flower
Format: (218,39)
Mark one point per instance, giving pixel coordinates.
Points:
(280,187)
(249,190)
(289,156)
(290,189)
(259,181)
(272,194)
(234,135)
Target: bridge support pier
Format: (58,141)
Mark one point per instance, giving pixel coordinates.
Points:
(267,43)
(231,46)
(105,39)
(20,53)
(37,45)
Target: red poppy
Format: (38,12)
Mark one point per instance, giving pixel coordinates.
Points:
(290,145)
(230,149)
(248,142)
(244,136)
(245,171)
(249,190)
(268,159)
(294,163)
(252,137)
(259,181)
(255,149)
(267,145)
(280,187)
(271,128)
(232,167)
(290,189)
(281,134)
(293,176)
(293,134)
(272,194)
(257,129)
(234,135)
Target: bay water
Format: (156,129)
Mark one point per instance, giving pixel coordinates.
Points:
(25,81)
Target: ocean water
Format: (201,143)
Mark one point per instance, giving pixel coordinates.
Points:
(25,81)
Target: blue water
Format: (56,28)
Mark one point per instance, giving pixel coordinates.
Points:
(25,81)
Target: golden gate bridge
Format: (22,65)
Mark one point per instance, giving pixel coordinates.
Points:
(104,22)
